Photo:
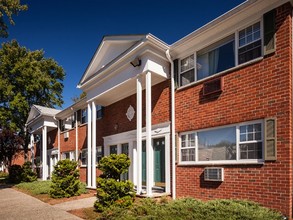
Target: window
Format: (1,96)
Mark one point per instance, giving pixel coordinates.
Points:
(249,43)
(70,155)
(250,142)
(99,153)
(216,58)
(125,150)
(113,149)
(187,70)
(99,111)
(232,143)
(221,55)
(83,116)
(67,123)
(83,157)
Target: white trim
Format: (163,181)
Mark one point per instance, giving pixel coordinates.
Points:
(237,160)
(139,132)
(94,141)
(44,154)
(89,144)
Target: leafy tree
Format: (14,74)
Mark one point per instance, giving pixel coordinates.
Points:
(77,98)
(26,78)
(8,8)
(111,191)
(10,146)
(65,179)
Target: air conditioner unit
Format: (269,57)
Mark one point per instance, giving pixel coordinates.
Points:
(66,135)
(213,86)
(214,174)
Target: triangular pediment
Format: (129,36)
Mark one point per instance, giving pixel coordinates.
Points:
(111,48)
(34,112)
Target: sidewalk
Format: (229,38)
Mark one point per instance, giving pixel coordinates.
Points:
(76,204)
(17,205)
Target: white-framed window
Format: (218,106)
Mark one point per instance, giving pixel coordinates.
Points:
(99,153)
(70,155)
(250,43)
(113,149)
(222,55)
(83,157)
(67,123)
(83,116)
(226,144)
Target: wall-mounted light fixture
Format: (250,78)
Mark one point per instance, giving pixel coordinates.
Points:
(136,62)
(116,126)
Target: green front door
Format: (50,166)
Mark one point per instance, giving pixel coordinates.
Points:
(159,161)
(143,160)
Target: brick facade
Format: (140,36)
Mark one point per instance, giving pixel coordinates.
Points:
(260,90)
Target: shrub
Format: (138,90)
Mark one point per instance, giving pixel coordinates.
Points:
(15,174)
(193,209)
(110,190)
(3,174)
(65,179)
(28,175)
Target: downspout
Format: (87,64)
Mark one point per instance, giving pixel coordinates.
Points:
(58,138)
(172,124)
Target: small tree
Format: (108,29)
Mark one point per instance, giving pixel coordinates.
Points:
(28,175)
(110,189)
(65,179)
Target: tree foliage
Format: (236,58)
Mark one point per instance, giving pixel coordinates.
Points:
(10,146)
(26,78)
(65,179)
(77,98)
(111,191)
(8,8)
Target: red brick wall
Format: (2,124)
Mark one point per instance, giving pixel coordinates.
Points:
(263,89)
(116,113)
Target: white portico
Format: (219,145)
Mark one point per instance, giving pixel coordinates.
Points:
(121,67)
(41,121)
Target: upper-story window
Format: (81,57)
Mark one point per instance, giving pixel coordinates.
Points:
(187,70)
(249,43)
(83,116)
(216,58)
(222,55)
(67,123)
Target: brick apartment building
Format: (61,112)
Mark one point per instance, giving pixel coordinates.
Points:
(209,116)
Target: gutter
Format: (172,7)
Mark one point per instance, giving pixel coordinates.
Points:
(172,124)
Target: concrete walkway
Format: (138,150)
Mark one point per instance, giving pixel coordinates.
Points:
(16,205)
(76,204)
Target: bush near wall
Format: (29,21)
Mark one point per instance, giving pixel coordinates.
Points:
(65,180)
(111,190)
(22,173)
(189,208)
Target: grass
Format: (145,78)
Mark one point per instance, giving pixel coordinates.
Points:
(36,187)
(191,209)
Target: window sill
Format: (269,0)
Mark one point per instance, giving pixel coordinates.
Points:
(220,73)
(230,163)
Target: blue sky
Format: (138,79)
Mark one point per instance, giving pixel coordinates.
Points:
(70,31)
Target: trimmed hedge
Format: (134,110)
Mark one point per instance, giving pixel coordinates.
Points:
(193,209)
(65,180)
(111,191)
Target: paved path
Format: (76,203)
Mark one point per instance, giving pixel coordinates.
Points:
(16,205)
(76,204)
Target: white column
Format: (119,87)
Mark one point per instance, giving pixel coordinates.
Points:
(76,137)
(149,145)
(44,154)
(59,150)
(139,133)
(89,145)
(32,148)
(94,144)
